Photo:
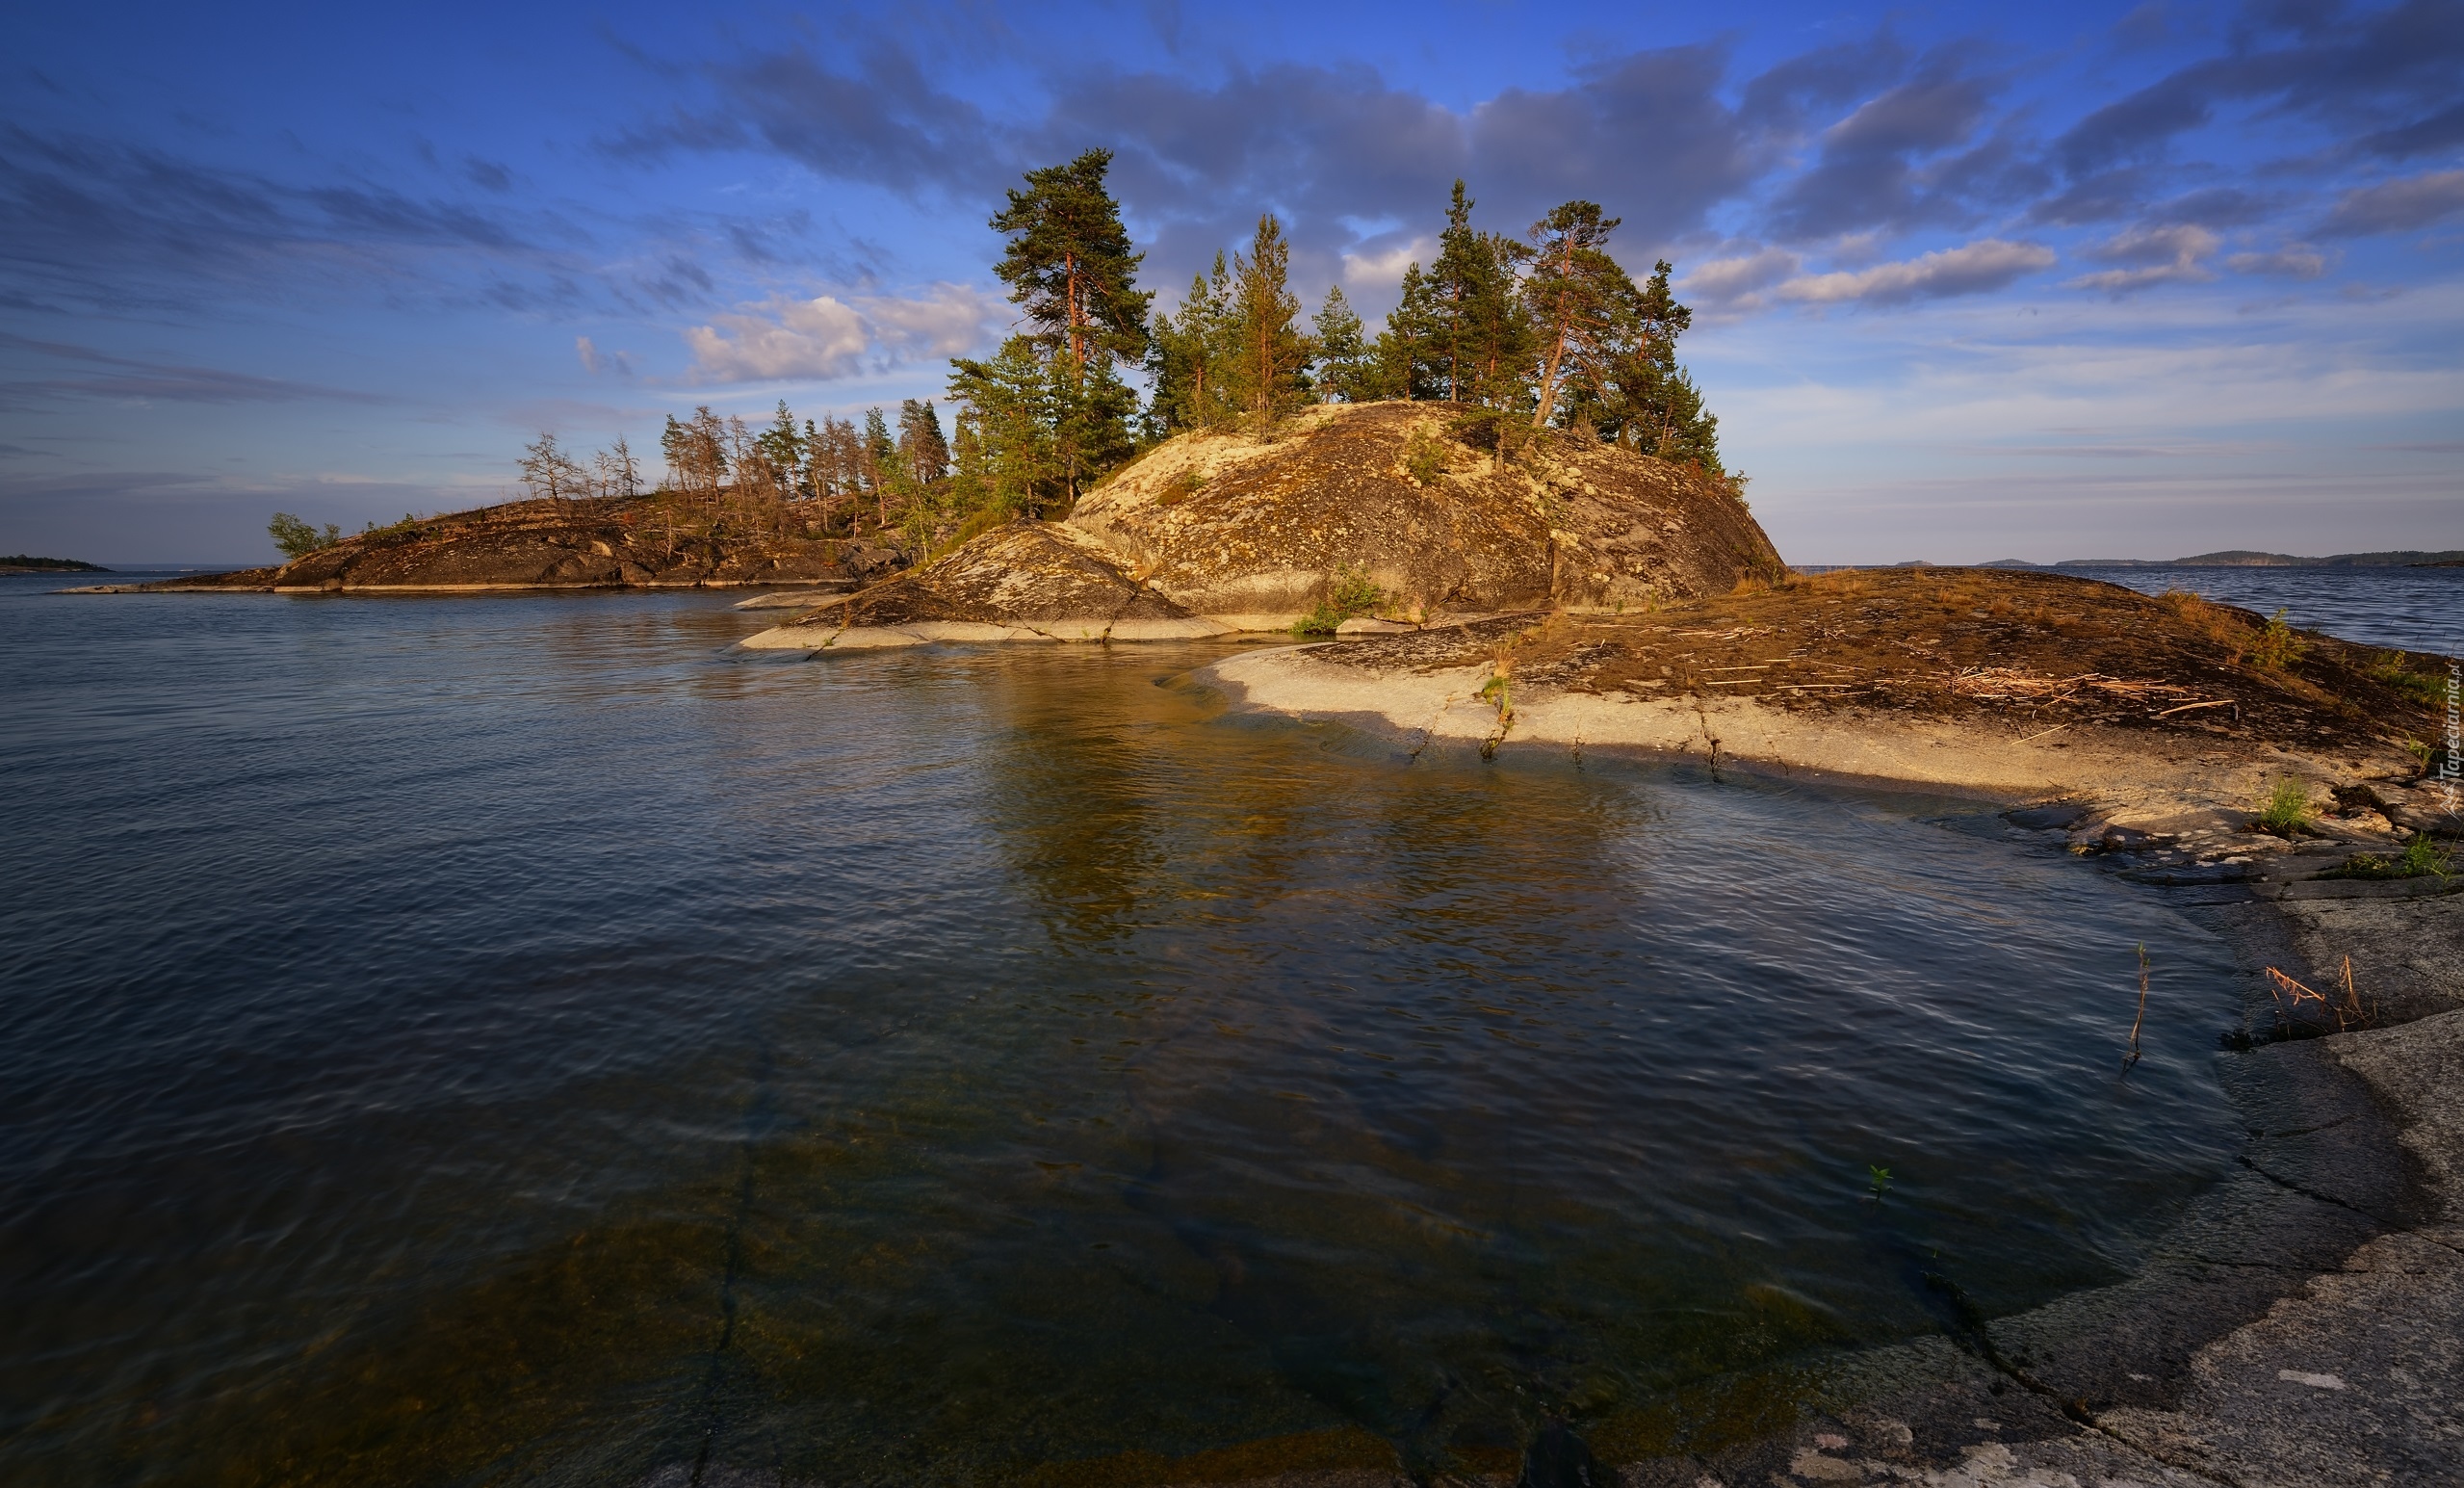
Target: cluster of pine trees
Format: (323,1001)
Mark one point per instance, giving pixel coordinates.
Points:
(831,476)
(1544,332)
(1547,329)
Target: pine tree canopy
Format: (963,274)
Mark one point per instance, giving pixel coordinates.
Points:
(1269,367)
(1069,263)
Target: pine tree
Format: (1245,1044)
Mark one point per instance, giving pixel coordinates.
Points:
(1008,397)
(1348,369)
(1630,388)
(1480,329)
(880,456)
(1410,353)
(1188,353)
(1070,262)
(783,446)
(970,484)
(1269,369)
(1453,279)
(1090,408)
(1574,292)
(923,453)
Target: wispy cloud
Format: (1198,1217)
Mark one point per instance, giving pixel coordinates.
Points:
(2174,254)
(2294,260)
(140,380)
(1725,280)
(825,338)
(2396,206)
(595,362)
(1972,269)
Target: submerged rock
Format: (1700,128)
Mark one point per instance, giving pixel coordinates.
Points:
(1228,532)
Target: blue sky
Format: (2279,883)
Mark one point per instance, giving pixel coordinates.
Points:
(2092,281)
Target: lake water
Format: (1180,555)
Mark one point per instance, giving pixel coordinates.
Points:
(2411,609)
(475,1040)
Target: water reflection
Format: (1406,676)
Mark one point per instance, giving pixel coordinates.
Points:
(616,1059)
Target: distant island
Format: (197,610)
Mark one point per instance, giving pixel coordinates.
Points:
(2241,558)
(27,563)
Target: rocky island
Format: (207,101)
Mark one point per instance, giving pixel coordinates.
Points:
(589,542)
(1382,516)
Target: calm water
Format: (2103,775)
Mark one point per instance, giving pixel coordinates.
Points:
(2412,609)
(489,1039)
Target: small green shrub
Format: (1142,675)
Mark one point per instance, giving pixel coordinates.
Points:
(2421,858)
(2389,668)
(1425,458)
(2278,645)
(2287,808)
(1181,487)
(297,539)
(1349,592)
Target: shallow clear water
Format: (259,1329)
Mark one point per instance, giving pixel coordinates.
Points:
(471,1039)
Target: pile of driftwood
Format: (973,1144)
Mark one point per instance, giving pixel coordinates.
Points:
(2017,685)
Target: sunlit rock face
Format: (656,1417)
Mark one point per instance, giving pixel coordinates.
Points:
(1237,531)
(1233,527)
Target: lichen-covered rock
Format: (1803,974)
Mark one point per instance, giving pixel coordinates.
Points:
(1250,531)
(1217,532)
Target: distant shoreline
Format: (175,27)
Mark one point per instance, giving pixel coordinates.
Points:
(27,563)
(2451,557)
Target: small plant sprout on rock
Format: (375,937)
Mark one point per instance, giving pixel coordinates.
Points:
(2421,858)
(1424,457)
(1878,1181)
(2286,810)
(2278,646)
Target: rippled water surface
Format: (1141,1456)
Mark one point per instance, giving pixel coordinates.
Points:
(492,1039)
(2413,608)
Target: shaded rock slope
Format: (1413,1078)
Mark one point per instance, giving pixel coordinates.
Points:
(546,544)
(1231,532)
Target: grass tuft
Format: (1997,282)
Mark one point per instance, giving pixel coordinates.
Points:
(2287,809)
(2421,858)
(2393,669)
